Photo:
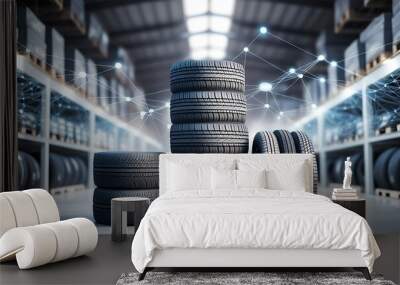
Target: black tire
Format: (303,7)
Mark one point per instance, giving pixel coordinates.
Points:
(69,175)
(303,144)
(83,171)
(56,170)
(359,171)
(285,141)
(22,170)
(355,161)
(102,215)
(33,179)
(265,142)
(394,170)
(103,196)
(135,178)
(203,107)
(209,138)
(339,169)
(203,75)
(126,159)
(381,175)
(75,170)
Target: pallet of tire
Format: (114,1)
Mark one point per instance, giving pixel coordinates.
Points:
(28,171)
(75,70)
(123,174)
(377,38)
(283,141)
(55,58)
(67,173)
(336,169)
(208,107)
(387,173)
(396,26)
(31,36)
(354,61)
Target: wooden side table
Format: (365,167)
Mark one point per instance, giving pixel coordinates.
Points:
(358,206)
(119,209)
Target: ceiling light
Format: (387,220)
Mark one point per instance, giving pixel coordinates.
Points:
(263,30)
(224,7)
(333,63)
(118,65)
(197,24)
(216,54)
(219,24)
(321,57)
(199,54)
(246,49)
(217,41)
(267,106)
(265,86)
(197,7)
(300,75)
(198,41)
(292,70)
(322,80)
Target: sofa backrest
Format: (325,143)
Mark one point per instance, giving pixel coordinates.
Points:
(271,161)
(26,208)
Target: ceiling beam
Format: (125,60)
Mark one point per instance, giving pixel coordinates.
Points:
(119,35)
(161,59)
(321,4)
(98,5)
(184,37)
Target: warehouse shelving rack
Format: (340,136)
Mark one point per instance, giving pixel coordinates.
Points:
(369,139)
(139,140)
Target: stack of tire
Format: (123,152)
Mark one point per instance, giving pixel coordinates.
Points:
(208,107)
(387,169)
(28,171)
(123,174)
(283,141)
(66,170)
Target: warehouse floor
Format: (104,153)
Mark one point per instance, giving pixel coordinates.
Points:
(106,264)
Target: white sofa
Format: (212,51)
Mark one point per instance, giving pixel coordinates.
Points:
(31,231)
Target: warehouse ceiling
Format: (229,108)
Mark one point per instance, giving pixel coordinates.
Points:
(158,33)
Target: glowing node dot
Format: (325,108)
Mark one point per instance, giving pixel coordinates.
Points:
(322,80)
(267,106)
(333,63)
(314,106)
(167,105)
(278,118)
(82,74)
(280,113)
(321,57)
(246,49)
(300,75)
(265,86)
(151,111)
(118,65)
(263,30)
(292,70)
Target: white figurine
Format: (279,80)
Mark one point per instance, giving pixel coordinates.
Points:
(347,174)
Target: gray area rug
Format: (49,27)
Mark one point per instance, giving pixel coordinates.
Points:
(273,278)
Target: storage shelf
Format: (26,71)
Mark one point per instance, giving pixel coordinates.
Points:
(71,146)
(36,139)
(369,141)
(342,146)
